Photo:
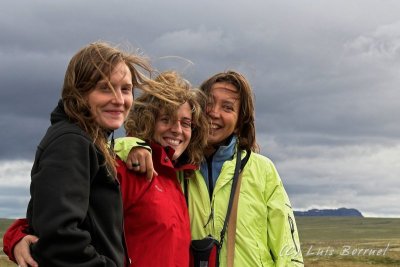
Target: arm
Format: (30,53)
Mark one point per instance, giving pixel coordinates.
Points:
(133,150)
(16,243)
(60,190)
(282,230)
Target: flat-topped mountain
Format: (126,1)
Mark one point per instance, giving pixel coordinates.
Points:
(330,212)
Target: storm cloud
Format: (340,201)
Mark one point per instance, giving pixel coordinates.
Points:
(325,76)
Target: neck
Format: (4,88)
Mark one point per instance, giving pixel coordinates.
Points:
(209,150)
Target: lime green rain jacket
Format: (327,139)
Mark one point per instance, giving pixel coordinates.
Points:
(266,232)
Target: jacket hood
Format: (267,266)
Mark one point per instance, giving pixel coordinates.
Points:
(58,113)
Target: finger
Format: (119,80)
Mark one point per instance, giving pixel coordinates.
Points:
(131,163)
(28,257)
(142,168)
(150,172)
(30,261)
(133,159)
(128,164)
(136,165)
(25,260)
(21,262)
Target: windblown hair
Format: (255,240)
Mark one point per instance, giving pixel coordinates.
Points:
(150,107)
(93,63)
(245,127)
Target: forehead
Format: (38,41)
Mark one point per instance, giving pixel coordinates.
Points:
(121,71)
(224,91)
(183,111)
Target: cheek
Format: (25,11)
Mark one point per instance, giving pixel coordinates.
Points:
(188,137)
(129,101)
(157,132)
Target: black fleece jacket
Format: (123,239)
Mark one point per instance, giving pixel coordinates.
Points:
(75,207)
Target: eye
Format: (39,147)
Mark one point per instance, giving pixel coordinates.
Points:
(186,124)
(227,107)
(104,87)
(164,119)
(127,90)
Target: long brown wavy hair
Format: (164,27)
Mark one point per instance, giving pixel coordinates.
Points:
(91,64)
(245,127)
(177,90)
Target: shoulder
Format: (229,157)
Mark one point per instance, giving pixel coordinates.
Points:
(66,132)
(260,162)
(262,171)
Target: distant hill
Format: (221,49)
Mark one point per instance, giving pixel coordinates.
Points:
(330,212)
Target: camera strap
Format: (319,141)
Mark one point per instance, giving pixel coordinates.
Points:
(233,189)
(240,164)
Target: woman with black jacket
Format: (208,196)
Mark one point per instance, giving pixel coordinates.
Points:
(75,207)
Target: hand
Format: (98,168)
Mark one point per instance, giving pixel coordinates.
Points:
(22,252)
(140,160)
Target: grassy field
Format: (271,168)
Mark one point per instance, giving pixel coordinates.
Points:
(333,241)
(349,242)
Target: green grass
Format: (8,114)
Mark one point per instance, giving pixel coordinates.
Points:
(329,241)
(336,228)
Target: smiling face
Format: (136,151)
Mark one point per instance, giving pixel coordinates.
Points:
(222,111)
(108,107)
(174,131)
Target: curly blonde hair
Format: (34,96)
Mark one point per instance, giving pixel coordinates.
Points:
(143,116)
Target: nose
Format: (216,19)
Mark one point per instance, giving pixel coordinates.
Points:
(213,111)
(118,97)
(176,127)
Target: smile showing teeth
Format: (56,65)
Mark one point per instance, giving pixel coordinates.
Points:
(213,126)
(172,142)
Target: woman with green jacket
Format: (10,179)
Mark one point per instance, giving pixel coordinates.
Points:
(266,232)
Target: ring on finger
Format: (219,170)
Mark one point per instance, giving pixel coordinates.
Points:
(135,164)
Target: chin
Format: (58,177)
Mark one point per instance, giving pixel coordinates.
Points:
(113,126)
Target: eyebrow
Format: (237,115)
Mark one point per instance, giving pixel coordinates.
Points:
(230,101)
(186,118)
(110,82)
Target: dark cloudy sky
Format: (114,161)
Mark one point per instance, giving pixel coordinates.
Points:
(326,78)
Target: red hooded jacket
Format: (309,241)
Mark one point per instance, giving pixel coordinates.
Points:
(156,218)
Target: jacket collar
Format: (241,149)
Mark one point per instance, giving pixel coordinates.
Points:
(226,152)
(162,157)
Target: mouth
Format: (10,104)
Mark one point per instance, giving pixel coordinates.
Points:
(214,126)
(172,141)
(114,112)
